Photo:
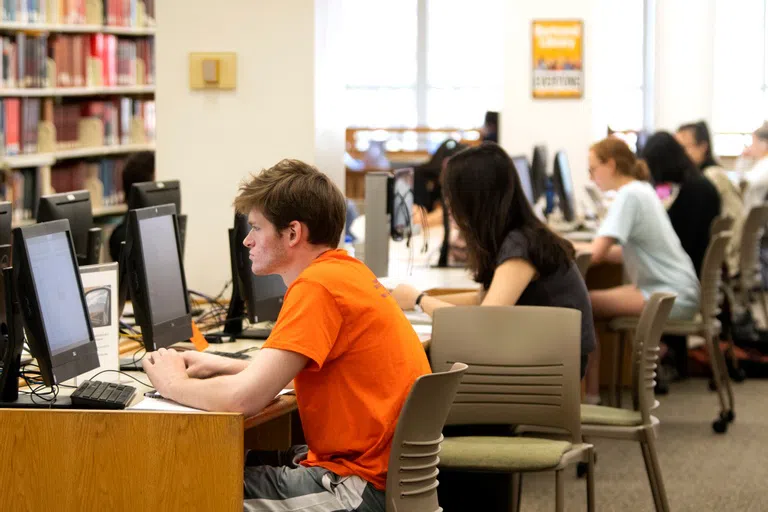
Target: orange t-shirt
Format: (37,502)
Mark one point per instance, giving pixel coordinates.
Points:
(364,358)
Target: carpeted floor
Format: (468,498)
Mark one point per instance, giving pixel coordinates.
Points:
(702,470)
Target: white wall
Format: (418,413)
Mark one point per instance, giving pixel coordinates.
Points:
(560,124)
(212,140)
(684,55)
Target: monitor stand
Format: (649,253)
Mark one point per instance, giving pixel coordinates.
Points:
(234,324)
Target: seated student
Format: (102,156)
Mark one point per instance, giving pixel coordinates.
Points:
(755,179)
(697,202)
(427,187)
(139,167)
(340,335)
(514,256)
(637,230)
(697,142)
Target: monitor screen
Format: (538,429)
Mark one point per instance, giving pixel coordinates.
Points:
(564,186)
(161,258)
(61,305)
(402,204)
(524,173)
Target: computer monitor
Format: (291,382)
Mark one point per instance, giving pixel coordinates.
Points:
(154,193)
(155,274)
(524,173)
(564,186)
(52,302)
(76,208)
(400,203)
(539,171)
(6,216)
(257,298)
(157,193)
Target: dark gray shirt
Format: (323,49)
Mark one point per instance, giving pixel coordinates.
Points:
(564,288)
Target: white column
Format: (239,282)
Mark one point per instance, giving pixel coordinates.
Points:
(211,140)
(684,55)
(564,124)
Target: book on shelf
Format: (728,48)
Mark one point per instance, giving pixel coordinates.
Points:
(119,13)
(74,123)
(75,60)
(24,187)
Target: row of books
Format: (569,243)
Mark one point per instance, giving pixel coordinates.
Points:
(123,61)
(20,119)
(23,187)
(120,13)
(108,172)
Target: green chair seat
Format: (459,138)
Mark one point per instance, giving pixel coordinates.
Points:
(503,454)
(601,415)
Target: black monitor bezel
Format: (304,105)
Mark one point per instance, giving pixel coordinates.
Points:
(155,335)
(539,171)
(54,207)
(67,365)
(6,220)
(565,201)
(139,195)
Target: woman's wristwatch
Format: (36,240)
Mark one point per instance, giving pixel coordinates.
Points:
(417,305)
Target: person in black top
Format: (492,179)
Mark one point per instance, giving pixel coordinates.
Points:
(139,167)
(490,130)
(515,257)
(697,202)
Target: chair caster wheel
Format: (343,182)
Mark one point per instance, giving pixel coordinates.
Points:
(728,416)
(720,426)
(712,385)
(738,375)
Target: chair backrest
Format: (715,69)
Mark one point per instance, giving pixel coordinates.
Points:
(712,276)
(412,474)
(523,364)
(645,346)
(721,223)
(583,260)
(751,233)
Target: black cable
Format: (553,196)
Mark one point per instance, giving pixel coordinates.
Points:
(121,373)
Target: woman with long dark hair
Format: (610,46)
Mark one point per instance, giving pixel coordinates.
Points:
(696,203)
(697,142)
(515,257)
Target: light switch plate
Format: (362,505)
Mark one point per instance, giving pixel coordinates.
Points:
(213,70)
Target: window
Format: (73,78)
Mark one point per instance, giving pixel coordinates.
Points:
(380,45)
(740,95)
(446,74)
(464,61)
(619,79)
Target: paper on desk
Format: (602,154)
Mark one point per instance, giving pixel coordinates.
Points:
(163,404)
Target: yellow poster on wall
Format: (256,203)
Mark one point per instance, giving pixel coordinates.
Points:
(558,65)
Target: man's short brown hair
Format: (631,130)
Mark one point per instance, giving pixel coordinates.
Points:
(295,191)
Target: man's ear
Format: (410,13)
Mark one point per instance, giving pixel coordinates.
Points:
(295,231)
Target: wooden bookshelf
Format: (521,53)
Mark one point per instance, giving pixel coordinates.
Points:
(47,159)
(78,84)
(30,92)
(7,26)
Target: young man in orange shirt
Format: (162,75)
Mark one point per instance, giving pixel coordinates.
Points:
(340,336)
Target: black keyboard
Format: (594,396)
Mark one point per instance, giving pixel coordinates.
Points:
(93,394)
(232,355)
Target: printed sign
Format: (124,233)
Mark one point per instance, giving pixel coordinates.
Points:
(558,64)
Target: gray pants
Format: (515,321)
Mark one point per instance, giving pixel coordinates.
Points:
(274,481)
